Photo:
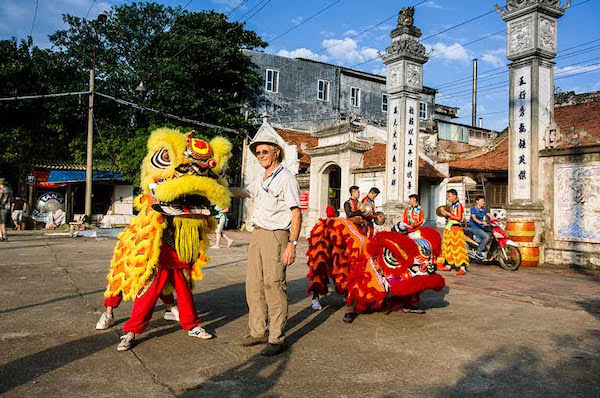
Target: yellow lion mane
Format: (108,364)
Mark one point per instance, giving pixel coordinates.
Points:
(135,257)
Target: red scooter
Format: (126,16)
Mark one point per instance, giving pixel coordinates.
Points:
(499,248)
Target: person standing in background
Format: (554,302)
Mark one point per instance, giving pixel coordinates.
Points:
(221,217)
(17,211)
(5,199)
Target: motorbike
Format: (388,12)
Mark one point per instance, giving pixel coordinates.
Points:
(499,248)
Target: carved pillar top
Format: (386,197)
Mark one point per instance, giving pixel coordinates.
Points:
(405,40)
(531,27)
(516,8)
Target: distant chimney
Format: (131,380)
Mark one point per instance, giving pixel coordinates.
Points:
(480,124)
(474,98)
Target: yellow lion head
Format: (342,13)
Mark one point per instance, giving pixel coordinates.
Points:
(185,175)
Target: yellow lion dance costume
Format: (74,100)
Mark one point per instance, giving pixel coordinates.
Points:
(164,247)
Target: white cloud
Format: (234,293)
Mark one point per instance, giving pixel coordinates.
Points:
(350,32)
(380,71)
(347,51)
(230,3)
(453,52)
(297,20)
(596,87)
(494,60)
(432,4)
(571,70)
(302,53)
(326,33)
(16,17)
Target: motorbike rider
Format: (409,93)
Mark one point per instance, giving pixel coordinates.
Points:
(479,226)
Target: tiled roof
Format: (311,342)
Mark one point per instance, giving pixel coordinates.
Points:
(297,138)
(455,147)
(427,171)
(494,160)
(53,164)
(375,156)
(574,118)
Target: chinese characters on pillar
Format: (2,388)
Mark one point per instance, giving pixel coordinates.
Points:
(411,162)
(394,179)
(521,134)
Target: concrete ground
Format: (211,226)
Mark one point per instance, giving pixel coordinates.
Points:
(534,332)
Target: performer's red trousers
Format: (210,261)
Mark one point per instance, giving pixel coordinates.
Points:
(114,301)
(171,269)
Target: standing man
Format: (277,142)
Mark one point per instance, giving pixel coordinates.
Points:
(4,208)
(478,224)
(17,211)
(368,208)
(454,249)
(352,208)
(277,220)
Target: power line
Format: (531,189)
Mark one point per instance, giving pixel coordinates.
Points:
(90,9)
(435,34)
(37,2)
(234,9)
(166,114)
(257,11)
(306,20)
(28,97)
(368,29)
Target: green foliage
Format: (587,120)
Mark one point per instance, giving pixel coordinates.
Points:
(191,64)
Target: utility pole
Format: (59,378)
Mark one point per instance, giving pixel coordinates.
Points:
(90,131)
(90,147)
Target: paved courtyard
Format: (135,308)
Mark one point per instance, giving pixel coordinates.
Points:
(534,332)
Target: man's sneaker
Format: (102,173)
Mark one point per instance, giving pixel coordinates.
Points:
(316,304)
(479,255)
(249,341)
(172,314)
(199,332)
(126,342)
(106,320)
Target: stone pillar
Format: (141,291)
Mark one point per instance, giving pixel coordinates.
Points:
(531,45)
(404,60)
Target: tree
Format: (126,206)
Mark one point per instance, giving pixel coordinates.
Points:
(191,63)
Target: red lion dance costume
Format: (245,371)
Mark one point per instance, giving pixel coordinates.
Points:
(384,272)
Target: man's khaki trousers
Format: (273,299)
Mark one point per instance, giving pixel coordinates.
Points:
(265,284)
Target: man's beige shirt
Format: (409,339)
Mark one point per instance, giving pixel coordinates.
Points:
(273,199)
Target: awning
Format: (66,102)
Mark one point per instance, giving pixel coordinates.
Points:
(57,176)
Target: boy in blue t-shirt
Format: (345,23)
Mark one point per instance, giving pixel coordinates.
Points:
(477,222)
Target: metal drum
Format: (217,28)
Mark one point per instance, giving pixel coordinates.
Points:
(521,230)
(530,254)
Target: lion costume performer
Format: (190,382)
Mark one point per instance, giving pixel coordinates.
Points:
(164,247)
(383,273)
(454,249)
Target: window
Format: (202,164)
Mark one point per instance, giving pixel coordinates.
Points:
(323,90)
(422,110)
(355,96)
(384,102)
(272,81)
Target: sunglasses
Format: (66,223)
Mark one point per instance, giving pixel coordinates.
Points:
(263,152)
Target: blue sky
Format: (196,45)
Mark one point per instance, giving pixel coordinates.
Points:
(333,36)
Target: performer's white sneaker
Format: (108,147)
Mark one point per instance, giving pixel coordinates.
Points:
(316,304)
(106,320)
(172,314)
(199,332)
(126,342)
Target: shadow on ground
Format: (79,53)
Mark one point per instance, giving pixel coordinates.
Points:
(227,304)
(518,371)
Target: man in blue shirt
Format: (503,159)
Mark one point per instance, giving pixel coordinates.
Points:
(477,223)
